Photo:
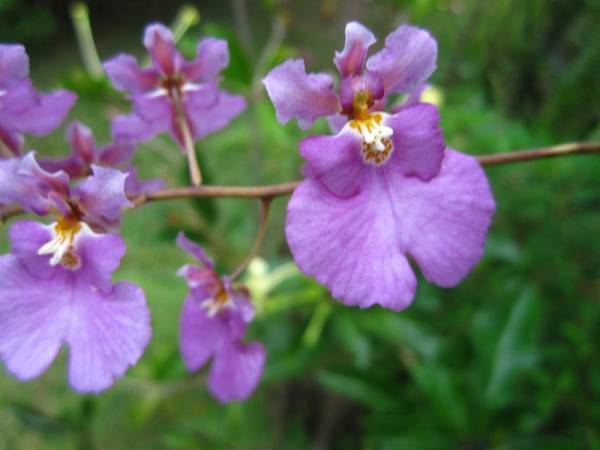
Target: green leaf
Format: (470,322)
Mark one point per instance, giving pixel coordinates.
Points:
(439,386)
(402,330)
(357,388)
(516,351)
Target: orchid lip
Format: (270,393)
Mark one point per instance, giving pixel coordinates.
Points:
(66,232)
(218,303)
(376,145)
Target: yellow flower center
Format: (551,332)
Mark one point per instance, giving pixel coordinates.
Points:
(61,246)
(376,145)
(217,303)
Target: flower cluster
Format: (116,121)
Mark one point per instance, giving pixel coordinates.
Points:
(385,186)
(174,95)
(213,322)
(55,285)
(382,188)
(22,109)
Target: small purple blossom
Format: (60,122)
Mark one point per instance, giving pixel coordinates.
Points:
(172,84)
(213,323)
(385,186)
(56,284)
(22,109)
(97,199)
(85,154)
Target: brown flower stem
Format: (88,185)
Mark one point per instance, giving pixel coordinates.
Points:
(5,151)
(186,134)
(265,203)
(277,190)
(575,148)
(8,212)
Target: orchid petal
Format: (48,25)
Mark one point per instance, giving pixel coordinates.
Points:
(126,75)
(236,371)
(407,60)
(295,93)
(418,141)
(212,57)
(351,60)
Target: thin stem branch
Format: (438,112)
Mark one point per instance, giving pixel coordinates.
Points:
(5,151)
(188,140)
(265,203)
(277,190)
(575,148)
(8,212)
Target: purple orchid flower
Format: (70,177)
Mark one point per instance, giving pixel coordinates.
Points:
(213,323)
(22,109)
(174,86)
(385,186)
(55,285)
(97,199)
(85,153)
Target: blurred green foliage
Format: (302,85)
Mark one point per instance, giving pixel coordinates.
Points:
(507,360)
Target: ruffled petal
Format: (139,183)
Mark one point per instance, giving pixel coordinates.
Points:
(243,304)
(13,188)
(126,75)
(99,254)
(131,127)
(297,94)
(102,195)
(82,142)
(194,249)
(336,122)
(24,182)
(206,120)
(414,96)
(236,371)
(14,65)
(155,110)
(158,39)
(418,141)
(34,319)
(351,59)
(135,186)
(48,181)
(350,244)
(45,114)
(119,152)
(212,57)
(36,189)
(199,335)
(445,221)
(72,165)
(107,334)
(335,161)
(408,59)
(26,238)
